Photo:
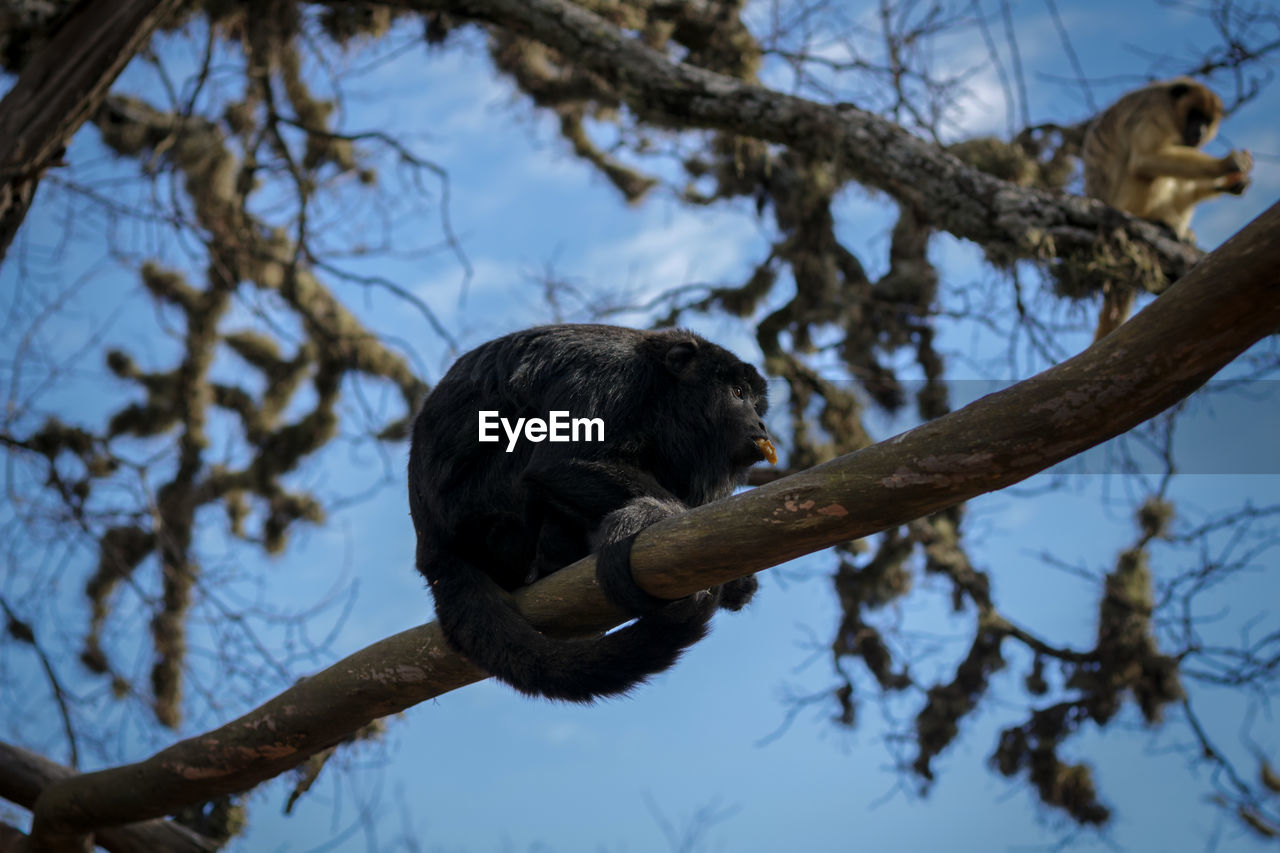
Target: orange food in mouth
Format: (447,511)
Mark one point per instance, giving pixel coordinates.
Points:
(766,447)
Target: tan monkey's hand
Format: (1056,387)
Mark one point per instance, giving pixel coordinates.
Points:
(1237,180)
(1237,162)
(1235,183)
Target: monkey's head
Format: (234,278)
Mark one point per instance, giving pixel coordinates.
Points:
(1197,111)
(719,403)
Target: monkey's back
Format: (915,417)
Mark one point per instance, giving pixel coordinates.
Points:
(474,498)
(521,375)
(1126,125)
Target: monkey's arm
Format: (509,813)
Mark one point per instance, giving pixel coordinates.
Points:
(1183,161)
(611,502)
(615,502)
(1192,192)
(587,490)
(613,538)
(1175,208)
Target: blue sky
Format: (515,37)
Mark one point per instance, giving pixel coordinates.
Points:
(484,769)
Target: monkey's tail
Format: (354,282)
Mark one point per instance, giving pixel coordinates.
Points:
(1117,303)
(480,620)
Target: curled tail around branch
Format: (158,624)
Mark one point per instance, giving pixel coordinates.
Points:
(481,621)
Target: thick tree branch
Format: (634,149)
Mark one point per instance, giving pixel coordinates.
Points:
(1007,220)
(24,775)
(1223,306)
(1220,309)
(60,88)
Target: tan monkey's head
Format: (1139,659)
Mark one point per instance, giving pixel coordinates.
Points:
(1197,111)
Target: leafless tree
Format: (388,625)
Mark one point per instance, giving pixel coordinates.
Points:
(249,212)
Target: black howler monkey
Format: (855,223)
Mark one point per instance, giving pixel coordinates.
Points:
(682,424)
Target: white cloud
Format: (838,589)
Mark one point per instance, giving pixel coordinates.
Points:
(687,246)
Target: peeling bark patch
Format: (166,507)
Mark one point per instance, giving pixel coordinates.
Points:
(906,477)
(1090,397)
(269,722)
(237,758)
(271,752)
(198,773)
(405,674)
(809,507)
(949,471)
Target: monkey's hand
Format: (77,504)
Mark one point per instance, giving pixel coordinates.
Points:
(1237,163)
(735,594)
(1235,179)
(1235,183)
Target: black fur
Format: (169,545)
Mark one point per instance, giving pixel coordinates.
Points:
(1193,131)
(681,416)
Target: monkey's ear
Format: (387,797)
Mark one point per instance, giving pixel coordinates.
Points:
(680,356)
(1178,90)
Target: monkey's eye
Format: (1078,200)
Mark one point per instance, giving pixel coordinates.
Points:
(737,391)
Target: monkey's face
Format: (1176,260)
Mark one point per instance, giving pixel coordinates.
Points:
(724,399)
(743,420)
(1197,130)
(1198,111)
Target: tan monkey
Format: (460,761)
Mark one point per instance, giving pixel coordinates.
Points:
(1142,155)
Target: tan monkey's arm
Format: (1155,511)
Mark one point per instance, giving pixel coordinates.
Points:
(1234,182)
(1183,161)
(1193,192)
